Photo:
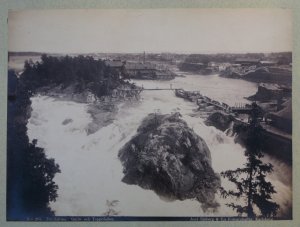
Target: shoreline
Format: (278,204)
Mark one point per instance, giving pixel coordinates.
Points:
(235,126)
(102,110)
(102,103)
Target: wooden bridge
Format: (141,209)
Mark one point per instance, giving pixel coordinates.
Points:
(158,89)
(127,93)
(224,107)
(241,108)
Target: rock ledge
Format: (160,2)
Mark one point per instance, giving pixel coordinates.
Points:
(169,158)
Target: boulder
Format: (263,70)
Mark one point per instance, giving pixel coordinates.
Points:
(220,120)
(67,121)
(169,158)
(267,92)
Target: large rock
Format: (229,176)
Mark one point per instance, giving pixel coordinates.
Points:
(267,92)
(228,124)
(170,158)
(220,120)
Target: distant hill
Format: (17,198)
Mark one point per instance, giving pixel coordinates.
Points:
(283,57)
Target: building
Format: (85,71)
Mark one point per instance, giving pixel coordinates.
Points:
(282,119)
(212,64)
(140,70)
(117,65)
(268,63)
(147,71)
(224,66)
(191,66)
(247,61)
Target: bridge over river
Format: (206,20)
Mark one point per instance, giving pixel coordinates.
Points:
(238,108)
(195,96)
(136,92)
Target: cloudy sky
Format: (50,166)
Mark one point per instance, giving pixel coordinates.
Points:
(156,30)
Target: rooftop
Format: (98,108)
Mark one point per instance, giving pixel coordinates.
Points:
(286,112)
(269,62)
(114,63)
(256,60)
(139,66)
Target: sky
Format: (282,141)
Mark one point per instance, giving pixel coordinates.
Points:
(151,30)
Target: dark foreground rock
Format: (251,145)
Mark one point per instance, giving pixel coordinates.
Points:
(219,120)
(274,143)
(227,123)
(169,158)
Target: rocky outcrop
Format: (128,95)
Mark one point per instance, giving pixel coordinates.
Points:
(261,74)
(169,158)
(219,120)
(274,144)
(67,121)
(228,124)
(267,92)
(103,114)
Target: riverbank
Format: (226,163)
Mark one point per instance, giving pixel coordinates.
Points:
(224,117)
(102,110)
(84,135)
(81,155)
(30,171)
(261,74)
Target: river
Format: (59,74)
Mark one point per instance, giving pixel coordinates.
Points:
(91,172)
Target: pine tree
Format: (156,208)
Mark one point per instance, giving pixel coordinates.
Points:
(250,181)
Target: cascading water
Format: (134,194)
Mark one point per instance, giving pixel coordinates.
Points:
(229,131)
(90,170)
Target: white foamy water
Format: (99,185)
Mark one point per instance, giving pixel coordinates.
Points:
(91,172)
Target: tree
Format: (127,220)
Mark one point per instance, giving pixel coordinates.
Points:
(250,181)
(30,173)
(38,188)
(86,73)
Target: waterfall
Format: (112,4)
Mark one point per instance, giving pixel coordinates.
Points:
(229,131)
(91,172)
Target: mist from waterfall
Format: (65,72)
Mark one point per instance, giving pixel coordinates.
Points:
(91,172)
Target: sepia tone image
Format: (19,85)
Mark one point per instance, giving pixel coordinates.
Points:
(157,114)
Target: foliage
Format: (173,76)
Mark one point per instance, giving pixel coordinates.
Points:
(38,186)
(30,185)
(84,72)
(250,181)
